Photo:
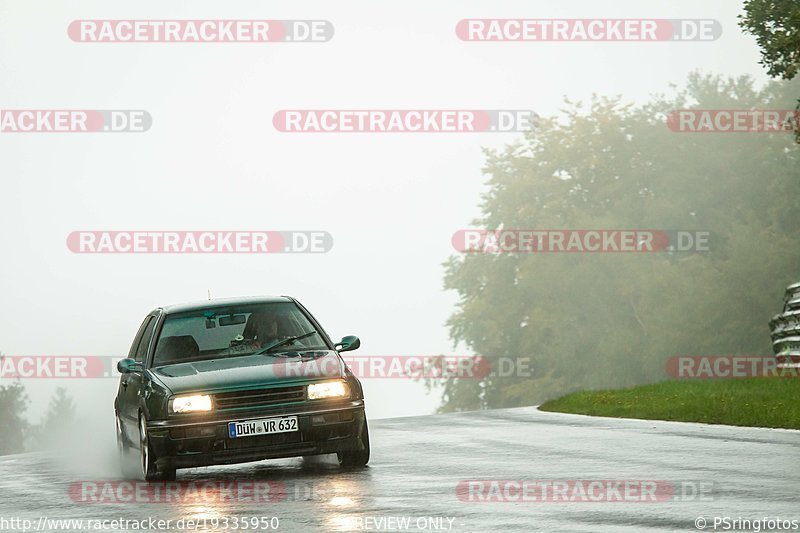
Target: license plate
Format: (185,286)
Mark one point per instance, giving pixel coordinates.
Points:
(263,426)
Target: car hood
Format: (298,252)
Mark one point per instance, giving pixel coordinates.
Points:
(250,371)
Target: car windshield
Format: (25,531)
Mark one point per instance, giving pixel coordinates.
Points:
(233,331)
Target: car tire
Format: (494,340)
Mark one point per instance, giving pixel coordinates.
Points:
(147,459)
(127,462)
(356,458)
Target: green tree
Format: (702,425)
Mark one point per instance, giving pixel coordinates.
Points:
(776,27)
(608,320)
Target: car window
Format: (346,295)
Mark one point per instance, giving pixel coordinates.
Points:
(144,341)
(231,331)
(135,344)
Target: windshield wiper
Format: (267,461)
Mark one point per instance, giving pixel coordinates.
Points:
(281,342)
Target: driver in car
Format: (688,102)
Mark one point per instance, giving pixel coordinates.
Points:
(264,328)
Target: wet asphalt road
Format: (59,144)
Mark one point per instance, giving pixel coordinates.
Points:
(418,462)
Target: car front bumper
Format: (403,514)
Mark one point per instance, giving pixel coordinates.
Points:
(321,429)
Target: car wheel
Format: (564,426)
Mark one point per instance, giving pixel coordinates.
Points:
(149,470)
(127,463)
(356,458)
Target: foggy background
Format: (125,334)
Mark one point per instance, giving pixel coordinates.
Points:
(212,160)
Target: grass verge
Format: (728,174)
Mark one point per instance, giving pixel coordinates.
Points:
(772,402)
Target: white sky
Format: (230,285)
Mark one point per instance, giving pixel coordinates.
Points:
(213,161)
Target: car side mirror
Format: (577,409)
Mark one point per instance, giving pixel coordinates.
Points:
(128,365)
(351,342)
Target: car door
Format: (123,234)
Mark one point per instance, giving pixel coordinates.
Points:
(131,383)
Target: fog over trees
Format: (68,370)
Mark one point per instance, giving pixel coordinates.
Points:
(597,320)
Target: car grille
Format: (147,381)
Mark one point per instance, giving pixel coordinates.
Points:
(259,397)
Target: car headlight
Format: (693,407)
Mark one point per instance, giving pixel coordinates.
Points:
(328,389)
(191,404)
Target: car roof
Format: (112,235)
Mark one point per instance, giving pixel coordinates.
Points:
(223,302)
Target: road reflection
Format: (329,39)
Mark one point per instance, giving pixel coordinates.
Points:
(310,493)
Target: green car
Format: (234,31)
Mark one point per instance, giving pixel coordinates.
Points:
(236,380)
